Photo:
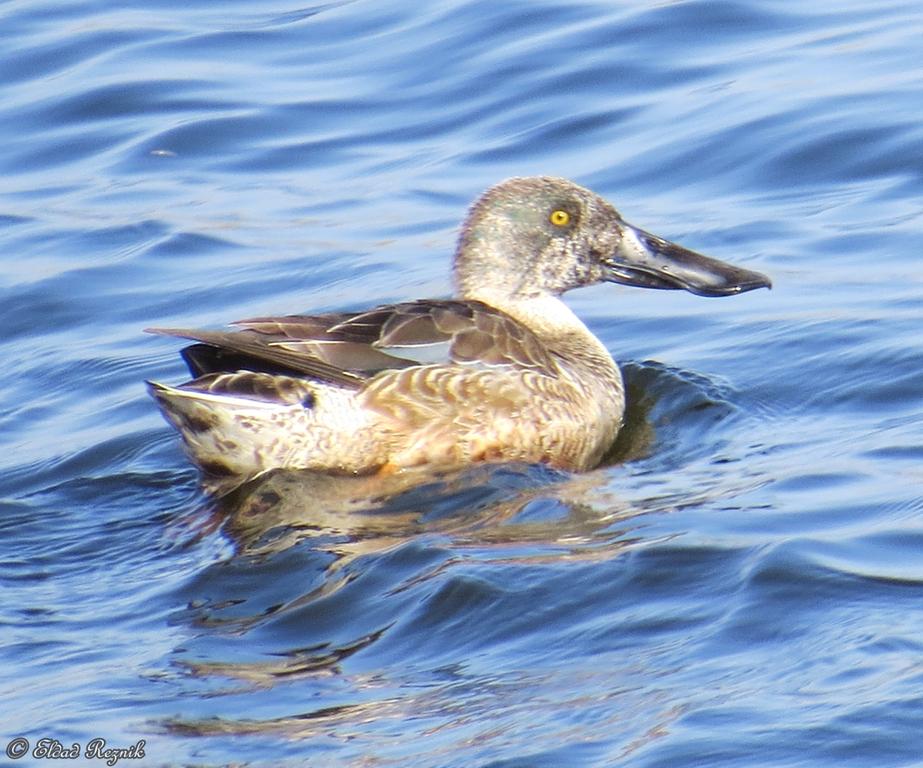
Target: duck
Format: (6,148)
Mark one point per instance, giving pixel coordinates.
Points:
(503,372)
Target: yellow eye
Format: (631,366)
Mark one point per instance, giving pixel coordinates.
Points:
(559,218)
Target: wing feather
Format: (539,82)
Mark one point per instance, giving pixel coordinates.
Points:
(348,349)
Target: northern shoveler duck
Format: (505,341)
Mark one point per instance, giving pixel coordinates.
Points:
(504,372)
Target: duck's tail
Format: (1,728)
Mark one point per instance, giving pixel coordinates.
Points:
(232,437)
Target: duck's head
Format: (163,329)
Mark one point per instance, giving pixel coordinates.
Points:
(537,236)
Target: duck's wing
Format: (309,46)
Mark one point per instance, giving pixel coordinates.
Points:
(228,351)
(347,349)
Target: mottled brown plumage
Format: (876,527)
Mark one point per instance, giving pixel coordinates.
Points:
(506,372)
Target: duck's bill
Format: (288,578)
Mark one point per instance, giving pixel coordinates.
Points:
(647,261)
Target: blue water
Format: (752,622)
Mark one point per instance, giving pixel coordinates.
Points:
(740,585)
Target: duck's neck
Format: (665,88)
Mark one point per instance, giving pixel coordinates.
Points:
(544,314)
(554,323)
